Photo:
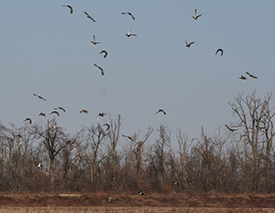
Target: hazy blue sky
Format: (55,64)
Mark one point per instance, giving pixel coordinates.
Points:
(46,50)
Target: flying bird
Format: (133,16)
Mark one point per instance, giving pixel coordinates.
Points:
(101,114)
(39,97)
(55,127)
(219,50)
(55,112)
(141,193)
(108,126)
(39,166)
(84,111)
(126,136)
(188,45)
(161,110)
(88,16)
(242,77)
(61,108)
(28,119)
(130,34)
(95,42)
(177,183)
(101,69)
(195,15)
(252,76)
(71,9)
(42,114)
(105,53)
(130,14)
(230,129)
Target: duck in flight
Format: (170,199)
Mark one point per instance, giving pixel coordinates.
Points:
(88,16)
(55,112)
(195,15)
(128,13)
(129,34)
(42,114)
(189,44)
(126,136)
(70,7)
(252,76)
(219,50)
(61,108)
(39,97)
(230,129)
(101,69)
(161,110)
(102,114)
(28,119)
(84,111)
(95,42)
(105,53)
(242,77)
(108,126)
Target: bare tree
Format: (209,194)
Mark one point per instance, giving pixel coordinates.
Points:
(96,136)
(256,129)
(112,159)
(160,146)
(183,150)
(54,140)
(204,150)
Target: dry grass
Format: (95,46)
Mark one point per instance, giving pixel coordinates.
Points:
(130,210)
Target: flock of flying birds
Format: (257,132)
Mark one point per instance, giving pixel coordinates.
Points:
(94,42)
(129,34)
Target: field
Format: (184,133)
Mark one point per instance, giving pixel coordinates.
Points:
(99,202)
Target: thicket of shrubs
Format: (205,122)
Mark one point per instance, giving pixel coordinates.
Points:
(240,160)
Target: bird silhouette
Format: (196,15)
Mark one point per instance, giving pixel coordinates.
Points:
(61,108)
(101,114)
(161,110)
(252,76)
(69,6)
(129,34)
(230,129)
(95,42)
(219,50)
(88,16)
(189,44)
(28,119)
(42,114)
(84,111)
(39,97)
(55,112)
(108,126)
(126,136)
(101,69)
(105,53)
(242,77)
(195,15)
(130,14)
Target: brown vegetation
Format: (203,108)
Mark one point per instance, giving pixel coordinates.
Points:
(239,161)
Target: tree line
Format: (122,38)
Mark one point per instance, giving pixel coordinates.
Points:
(42,157)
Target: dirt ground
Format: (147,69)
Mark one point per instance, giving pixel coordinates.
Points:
(148,200)
(131,210)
